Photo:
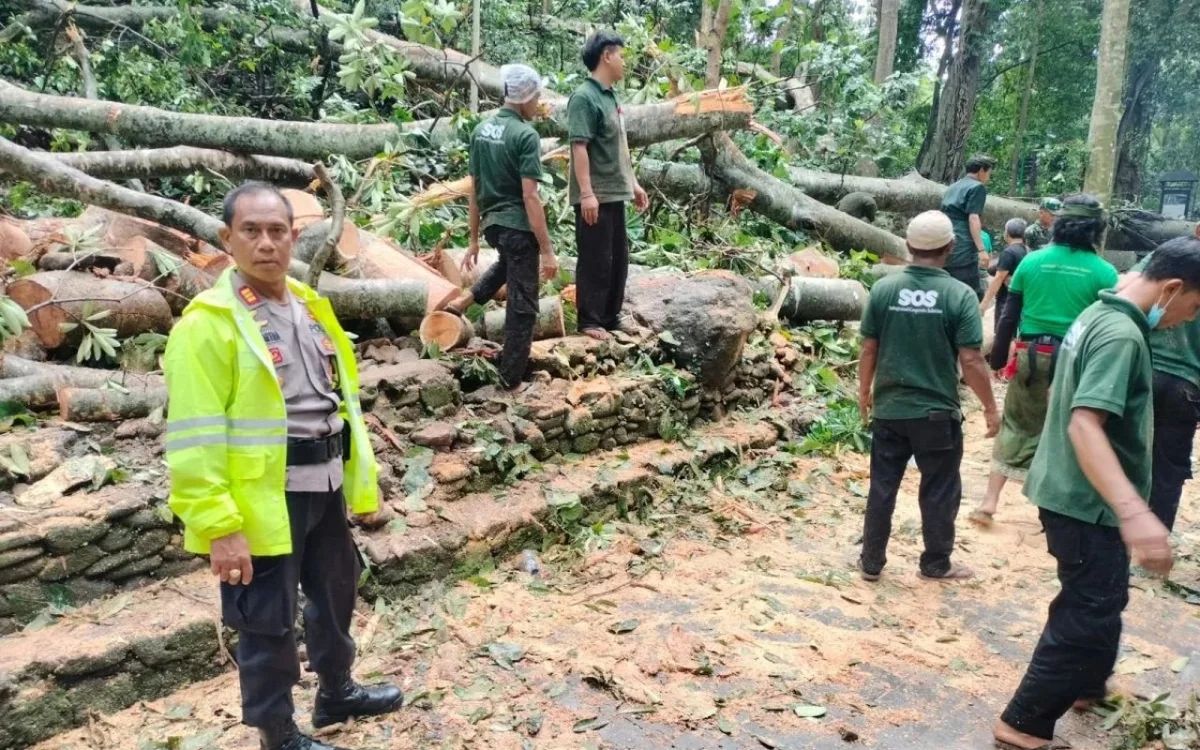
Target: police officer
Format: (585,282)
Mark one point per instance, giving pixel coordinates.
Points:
(266,446)
(918,325)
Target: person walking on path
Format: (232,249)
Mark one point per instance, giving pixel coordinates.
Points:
(963,202)
(918,325)
(1175,358)
(1039,235)
(266,446)
(1006,265)
(1088,479)
(601,182)
(1048,291)
(505,166)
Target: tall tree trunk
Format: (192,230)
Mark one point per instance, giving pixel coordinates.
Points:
(885,57)
(1134,129)
(781,35)
(714,20)
(1106,107)
(947,33)
(1023,118)
(944,159)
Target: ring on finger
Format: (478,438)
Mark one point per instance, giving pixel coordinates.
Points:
(235,574)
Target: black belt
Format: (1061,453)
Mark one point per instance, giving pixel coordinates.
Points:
(306,452)
(1045,339)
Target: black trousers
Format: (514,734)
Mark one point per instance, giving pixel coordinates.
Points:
(325,565)
(603,267)
(1176,404)
(968,275)
(937,444)
(518,268)
(1078,648)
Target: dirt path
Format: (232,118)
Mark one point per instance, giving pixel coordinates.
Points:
(741,625)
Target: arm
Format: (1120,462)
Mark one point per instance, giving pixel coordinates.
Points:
(976,225)
(1145,535)
(537,221)
(1006,329)
(472,255)
(975,372)
(589,206)
(993,289)
(866,377)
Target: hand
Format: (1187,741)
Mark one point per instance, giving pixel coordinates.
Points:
(982,308)
(992,418)
(232,553)
(1148,541)
(471,258)
(590,208)
(641,201)
(549,266)
(865,402)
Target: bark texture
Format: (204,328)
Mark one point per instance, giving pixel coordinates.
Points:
(54,298)
(1023,117)
(714,20)
(956,106)
(548,325)
(36,384)
(1106,107)
(109,404)
(183,160)
(885,55)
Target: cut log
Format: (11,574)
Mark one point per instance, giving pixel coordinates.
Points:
(378,258)
(72,262)
(548,325)
(36,384)
(157,163)
(810,299)
(52,298)
(109,404)
(182,285)
(447,330)
(14,243)
(403,303)
(451,268)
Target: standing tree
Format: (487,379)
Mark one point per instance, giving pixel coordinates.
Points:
(943,159)
(714,20)
(1026,94)
(1106,108)
(885,56)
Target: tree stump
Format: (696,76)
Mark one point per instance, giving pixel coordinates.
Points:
(447,330)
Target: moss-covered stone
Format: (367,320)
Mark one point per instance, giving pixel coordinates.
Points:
(23,600)
(151,542)
(435,395)
(18,539)
(21,571)
(72,564)
(81,666)
(73,534)
(190,643)
(119,538)
(586,443)
(148,518)
(580,422)
(135,568)
(17,556)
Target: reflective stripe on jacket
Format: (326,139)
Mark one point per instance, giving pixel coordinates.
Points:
(226,442)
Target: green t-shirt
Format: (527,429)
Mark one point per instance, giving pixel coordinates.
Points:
(1036,237)
(963,198)
(504,149)
(1056,284)
(594,117)
(921,317)
(1175,350)
(1103,364)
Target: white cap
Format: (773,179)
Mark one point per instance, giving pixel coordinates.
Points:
(930,230)
(521,83)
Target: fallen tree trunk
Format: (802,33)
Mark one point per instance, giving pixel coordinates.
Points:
(810,299)
(109,404)
(401,302)
(150,126)
(54,298)
(36,384)
(156,163)
(548,325)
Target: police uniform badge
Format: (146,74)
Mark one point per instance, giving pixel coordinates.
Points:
(249,296)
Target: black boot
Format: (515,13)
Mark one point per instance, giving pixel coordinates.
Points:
(285,735)
(339,697)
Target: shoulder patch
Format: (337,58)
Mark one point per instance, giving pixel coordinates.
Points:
(249,296)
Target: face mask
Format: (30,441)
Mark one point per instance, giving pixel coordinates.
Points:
(1157,311)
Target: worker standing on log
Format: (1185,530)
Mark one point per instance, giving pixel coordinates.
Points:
(918,324)
(1039,235)
(601,183)
(266,446)
(963,202)
(1088,479)
(1175,357)
(505,166)
(1048,291)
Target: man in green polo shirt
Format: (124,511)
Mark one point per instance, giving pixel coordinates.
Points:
(1175,357)
(505,167)
(918,325)
(963,202)
(1038,235)
(601,183)
(1088,478)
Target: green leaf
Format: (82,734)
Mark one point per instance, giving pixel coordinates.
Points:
(589,724)
(809,711)
(19,458)
(505,654)
(1176,666)
(725,725)
(668,338)
(624,626)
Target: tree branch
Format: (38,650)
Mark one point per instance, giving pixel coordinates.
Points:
(337,206)
(184,160)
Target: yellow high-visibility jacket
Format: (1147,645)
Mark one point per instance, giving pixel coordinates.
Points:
(226,441)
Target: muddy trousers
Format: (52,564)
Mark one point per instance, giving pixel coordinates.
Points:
(937,444)
(324,564)
(1176,403)
(1078,648)
(517,268)
(603,267)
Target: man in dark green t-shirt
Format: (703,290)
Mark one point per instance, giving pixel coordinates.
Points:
(505,167)
(601,183)
(1175,357)
(1088,479)
(963,202)
(918,325)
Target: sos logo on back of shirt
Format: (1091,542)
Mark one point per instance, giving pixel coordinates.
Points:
(917,298)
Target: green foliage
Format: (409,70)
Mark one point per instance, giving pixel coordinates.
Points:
(140,353)
(677,383)
(841,425)
(508,460)
(856,266)
(98,343)
(1137,722)
(13,319)
(366,64)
